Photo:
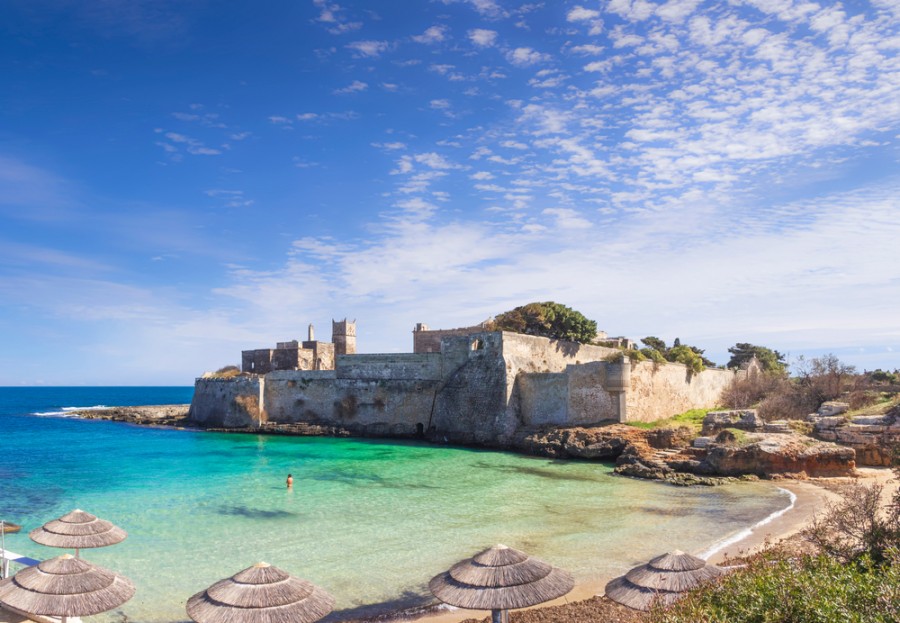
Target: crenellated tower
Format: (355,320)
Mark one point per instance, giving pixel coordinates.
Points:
(343,334)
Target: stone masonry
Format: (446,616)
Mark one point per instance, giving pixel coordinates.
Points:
(479,387)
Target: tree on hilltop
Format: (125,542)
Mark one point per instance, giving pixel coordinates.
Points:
(548,319)
(770,360)
(691,356)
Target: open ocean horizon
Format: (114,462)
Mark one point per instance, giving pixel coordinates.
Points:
(370,521)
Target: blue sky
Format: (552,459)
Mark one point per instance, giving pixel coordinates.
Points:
(183,180)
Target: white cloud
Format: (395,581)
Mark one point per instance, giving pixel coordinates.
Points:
(435,34)
(580,14)
(589,49)
(483,38)
(370,49)
(441,104)
(354,87)
(192,145)
(434,161)
(567,218)
(526,56)
(390,146)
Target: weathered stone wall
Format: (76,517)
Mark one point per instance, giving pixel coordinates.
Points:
(293,358)
(323,353)
(543,398)
(481,388)
(227,402)
(530,354)
(367,406)
(392,366)
(662,390)
(429,341)
(470,406)
(257,361)
(589,399)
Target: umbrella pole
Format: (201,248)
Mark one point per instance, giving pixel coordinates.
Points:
(499,616)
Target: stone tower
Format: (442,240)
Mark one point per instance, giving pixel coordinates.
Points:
(343,334)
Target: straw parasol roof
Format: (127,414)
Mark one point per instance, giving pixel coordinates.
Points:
(500,578)
(65,586)
(78,530)
(662,580)
(260,594)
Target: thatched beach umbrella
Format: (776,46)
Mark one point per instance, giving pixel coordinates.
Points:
(78,530)
(65,586)
(661,581)
(498,579)
(260,594)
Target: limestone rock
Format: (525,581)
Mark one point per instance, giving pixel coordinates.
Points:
(832,408)
(787,455)
(743,419)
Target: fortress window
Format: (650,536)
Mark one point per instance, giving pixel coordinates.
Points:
(477,344)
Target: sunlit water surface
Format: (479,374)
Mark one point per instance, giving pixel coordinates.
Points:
(370,521)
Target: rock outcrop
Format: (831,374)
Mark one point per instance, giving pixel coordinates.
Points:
(872,436)
(784,455)
(149,415)
(669,456)
(742,419)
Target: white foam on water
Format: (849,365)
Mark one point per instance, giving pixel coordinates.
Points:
(69,411)
(743,534)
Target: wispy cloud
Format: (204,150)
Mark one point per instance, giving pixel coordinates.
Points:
(354,87)
(368,49)
(526,56)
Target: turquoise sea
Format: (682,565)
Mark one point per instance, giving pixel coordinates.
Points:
(370,521)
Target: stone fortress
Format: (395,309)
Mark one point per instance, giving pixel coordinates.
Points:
(466,385)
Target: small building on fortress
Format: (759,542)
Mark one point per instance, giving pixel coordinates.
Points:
(464,385)
(307,355)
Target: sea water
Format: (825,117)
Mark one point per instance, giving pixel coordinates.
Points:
(369,521)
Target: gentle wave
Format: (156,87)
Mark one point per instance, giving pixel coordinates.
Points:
(69,411)
(743,534)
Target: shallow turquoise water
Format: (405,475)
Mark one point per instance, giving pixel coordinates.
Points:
(369,521)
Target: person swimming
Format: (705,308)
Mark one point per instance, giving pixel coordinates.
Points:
(290,481)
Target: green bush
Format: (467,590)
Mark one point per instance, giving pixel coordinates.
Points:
(547,319)
(774,588)
(688,356)
(653,355)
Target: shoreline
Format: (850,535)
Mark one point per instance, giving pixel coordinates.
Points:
(809,498)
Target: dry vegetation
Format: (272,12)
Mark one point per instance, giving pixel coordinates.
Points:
(778,396)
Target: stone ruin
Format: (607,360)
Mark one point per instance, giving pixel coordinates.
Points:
(309,354)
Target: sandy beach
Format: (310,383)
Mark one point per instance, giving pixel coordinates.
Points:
(811,497)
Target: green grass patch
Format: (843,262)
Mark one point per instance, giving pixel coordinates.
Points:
(692,419)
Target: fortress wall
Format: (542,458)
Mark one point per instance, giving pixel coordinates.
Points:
(391,366)
(543,398)
(663,390)
(429,341)
(257,361)
(365,406)
(589,401)
(530,354)
(290,358)
(471,406)
(227,402)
